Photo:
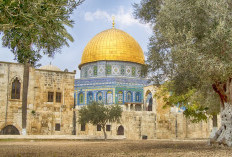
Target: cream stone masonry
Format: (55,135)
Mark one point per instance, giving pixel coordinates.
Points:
(139,120)
(42,116)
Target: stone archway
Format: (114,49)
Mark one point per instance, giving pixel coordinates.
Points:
(149,100)
(120,130)
(9,130)
(150,103)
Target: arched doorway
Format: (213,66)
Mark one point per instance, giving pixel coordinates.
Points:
(120,130)
(150,104)
(9,130)
(149,100)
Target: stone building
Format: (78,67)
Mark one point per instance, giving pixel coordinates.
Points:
(111,73)
(50,100)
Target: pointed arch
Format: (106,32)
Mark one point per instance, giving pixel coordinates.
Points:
(15,89)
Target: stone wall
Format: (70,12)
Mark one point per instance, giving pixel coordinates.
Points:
(171,123)
(136,124)
(42,116)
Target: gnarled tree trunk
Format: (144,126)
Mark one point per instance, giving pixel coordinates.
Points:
(224,134)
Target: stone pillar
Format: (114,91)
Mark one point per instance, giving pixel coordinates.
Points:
(129,106)
(142,105)
(134,107)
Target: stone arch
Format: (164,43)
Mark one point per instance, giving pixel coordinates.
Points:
(120,130)
(13,78)
(9,130)
(150,103)
(10,83)
(147,92)
(15,89)
(149,100)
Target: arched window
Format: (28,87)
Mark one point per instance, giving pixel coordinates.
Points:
(90,97)
(81,98)
(9,130)
(149,101)
(129,97)
(120,130)
(99,97)
(138,97)
(120,97)
(150,104)
(15,90)
(109,97)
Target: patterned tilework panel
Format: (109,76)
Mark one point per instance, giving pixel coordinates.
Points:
(111,69)
(110,81)
(108,95)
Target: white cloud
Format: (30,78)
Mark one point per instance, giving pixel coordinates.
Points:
(96,15)
(123,18)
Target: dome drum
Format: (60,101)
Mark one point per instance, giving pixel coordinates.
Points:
(111,69)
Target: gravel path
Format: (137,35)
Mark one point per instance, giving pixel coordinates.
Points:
(121,148)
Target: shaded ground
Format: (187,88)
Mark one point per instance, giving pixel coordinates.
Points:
(138,148)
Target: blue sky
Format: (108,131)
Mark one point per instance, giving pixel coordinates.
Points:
(91,18)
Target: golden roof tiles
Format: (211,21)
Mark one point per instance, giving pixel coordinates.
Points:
(114,45)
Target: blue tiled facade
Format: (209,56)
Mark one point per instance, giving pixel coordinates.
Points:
(110,89)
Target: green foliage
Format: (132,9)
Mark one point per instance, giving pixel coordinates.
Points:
(144,70)
(196,113)
(34,27)
(191,47)
(192,40)
(199,104)
(99,114)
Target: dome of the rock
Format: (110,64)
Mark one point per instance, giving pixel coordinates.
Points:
(112,45)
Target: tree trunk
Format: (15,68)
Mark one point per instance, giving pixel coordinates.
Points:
(24,99)
(105,135)
(224,134)
(215,126)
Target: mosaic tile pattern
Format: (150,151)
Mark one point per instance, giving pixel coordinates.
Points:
(111,69)
(118,86)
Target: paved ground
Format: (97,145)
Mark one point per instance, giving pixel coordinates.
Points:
(115,148)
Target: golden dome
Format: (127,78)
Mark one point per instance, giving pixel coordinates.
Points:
(112,45)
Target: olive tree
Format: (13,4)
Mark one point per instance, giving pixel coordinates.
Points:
(99,114)
(192,47)
(31,28)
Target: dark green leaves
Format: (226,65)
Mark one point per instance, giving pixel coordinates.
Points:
(34,27)
(99,114)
